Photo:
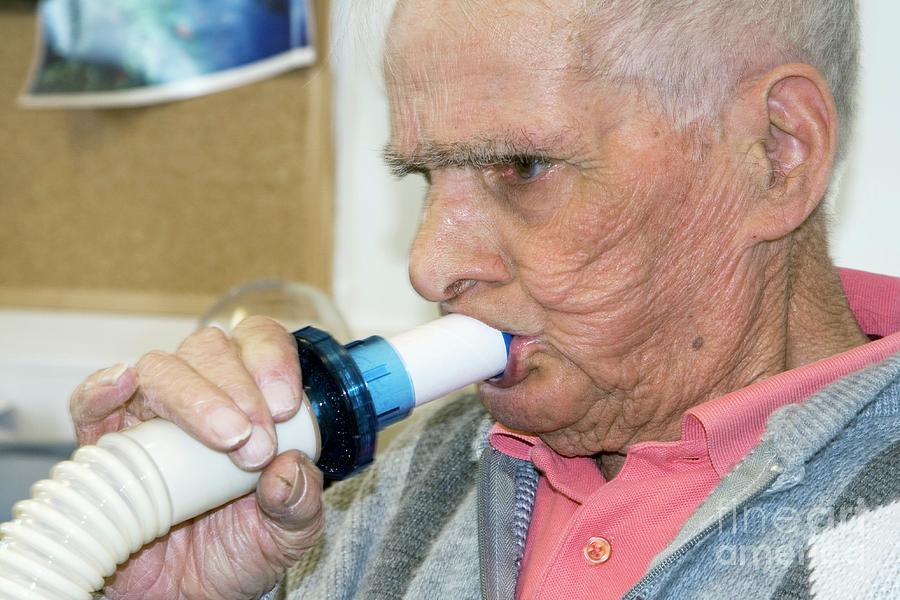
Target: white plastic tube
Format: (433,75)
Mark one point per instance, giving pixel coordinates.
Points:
(440,354)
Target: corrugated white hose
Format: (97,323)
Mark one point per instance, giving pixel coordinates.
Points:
(113,497)
(131,487)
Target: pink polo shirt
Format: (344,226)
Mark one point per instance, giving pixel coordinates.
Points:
(592,538)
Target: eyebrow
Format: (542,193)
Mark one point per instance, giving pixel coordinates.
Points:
(478,154)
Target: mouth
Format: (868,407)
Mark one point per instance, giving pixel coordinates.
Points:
(520,348)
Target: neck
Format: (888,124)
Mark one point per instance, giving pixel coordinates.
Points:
(820,323)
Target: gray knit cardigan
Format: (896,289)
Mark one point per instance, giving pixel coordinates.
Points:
(812,511)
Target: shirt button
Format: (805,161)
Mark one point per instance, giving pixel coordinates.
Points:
(597,550)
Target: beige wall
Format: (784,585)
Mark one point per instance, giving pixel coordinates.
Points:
(162,208)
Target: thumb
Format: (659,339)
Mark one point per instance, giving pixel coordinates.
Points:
(289,494)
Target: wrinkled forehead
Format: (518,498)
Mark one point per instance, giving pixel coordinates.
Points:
(457,34)
(468,68)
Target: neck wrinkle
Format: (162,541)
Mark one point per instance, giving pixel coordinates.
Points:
(819,320)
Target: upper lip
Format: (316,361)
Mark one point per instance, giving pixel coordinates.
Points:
(489,322)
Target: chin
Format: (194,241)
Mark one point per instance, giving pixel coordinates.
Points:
(538,404)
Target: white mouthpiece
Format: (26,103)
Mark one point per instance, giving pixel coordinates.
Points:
(448,354)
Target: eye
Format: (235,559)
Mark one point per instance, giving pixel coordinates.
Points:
(523,169)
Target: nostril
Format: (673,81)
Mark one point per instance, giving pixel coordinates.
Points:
(458,287)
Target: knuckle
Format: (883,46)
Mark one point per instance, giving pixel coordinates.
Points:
(269,353)
(260,325)
(164,382)
(209,339)
(153,362)
(260,322)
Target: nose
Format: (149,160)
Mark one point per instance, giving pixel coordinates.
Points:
(458,245)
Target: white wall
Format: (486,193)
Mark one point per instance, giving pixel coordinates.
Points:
(44,354)
(376,215)
(867,209)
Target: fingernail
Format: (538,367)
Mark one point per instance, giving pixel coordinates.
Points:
(257,451)
(112,375)
(280,397)
(230,426)
(290,492)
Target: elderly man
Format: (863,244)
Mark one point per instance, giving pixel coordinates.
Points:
(690,409)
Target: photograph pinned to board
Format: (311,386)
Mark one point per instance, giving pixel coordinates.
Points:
(120,53)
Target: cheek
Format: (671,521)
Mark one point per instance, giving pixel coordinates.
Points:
(598,267)
(590,256)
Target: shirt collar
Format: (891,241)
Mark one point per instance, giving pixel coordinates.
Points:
(576,477)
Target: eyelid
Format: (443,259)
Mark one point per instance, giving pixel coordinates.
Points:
(402,171)
(490,166)
(517,161)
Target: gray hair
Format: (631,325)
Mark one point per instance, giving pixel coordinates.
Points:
(695,52)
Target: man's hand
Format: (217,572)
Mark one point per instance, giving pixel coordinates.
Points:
(227,393)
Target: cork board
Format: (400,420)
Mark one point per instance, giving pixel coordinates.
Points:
(162,208)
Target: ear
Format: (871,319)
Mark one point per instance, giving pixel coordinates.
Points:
(797,146)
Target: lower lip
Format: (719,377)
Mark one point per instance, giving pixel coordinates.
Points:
(520,348)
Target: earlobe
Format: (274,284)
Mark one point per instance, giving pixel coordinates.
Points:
(800,145)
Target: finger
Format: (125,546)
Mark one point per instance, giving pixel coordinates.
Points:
(96,405)
(270,353)
(170,388)
(289,494)
(218,360)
